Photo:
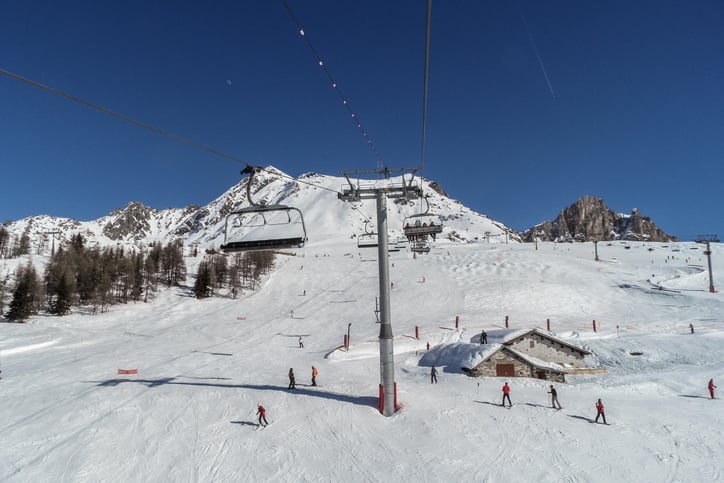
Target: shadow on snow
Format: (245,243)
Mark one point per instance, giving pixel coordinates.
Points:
(359,400)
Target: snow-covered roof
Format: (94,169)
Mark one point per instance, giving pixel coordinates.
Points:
(535,362)
(509,336)
(456,356)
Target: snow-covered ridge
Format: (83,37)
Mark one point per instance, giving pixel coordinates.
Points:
(314,194)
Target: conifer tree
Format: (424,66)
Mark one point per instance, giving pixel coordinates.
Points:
(203,287)
(26,295)
(4,241)
(62,301)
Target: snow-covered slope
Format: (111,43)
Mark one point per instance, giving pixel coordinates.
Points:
(204,365)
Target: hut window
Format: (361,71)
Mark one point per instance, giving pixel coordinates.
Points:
(532,344)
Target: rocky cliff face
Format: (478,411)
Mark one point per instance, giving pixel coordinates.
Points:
(589,219)
(133,220)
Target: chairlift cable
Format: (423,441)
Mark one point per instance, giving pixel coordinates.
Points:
(425,83)
(121,116)
(144,125)
(380,162)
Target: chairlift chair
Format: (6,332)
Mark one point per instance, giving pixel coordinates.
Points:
(368,239)
(263,227)
(419,245)
(421,225)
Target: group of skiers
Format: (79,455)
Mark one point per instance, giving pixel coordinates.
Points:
(292,380)
(555,404)
(600,412)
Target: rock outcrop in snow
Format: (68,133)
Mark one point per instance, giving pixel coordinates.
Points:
(589,219)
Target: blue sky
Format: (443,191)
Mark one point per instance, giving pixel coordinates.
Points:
(623,100)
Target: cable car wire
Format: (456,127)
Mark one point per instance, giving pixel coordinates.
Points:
(425,82)
(121,116)
(380,162)
(146,126)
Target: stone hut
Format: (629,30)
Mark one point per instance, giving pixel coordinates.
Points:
(503,361)
(541,345)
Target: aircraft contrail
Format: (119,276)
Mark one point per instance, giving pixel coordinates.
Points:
(535,49)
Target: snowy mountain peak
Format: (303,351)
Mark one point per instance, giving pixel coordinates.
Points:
(314,194)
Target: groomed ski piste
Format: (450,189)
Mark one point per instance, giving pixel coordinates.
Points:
(204,366)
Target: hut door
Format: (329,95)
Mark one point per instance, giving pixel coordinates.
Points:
(540,374)
(505,370)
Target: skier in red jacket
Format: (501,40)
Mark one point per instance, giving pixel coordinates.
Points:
(506,395)
(600,412)
(262,415)
(711,388)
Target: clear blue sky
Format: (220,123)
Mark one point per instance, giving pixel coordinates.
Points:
(625,101)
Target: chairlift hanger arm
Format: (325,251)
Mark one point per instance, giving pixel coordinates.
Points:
(250,170)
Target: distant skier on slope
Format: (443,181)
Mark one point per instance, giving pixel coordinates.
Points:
(554,398)
(433,375)
(262,415)
(600,412)
(711,387)
(301,344)
(315,373)
(506,395)
(292,385)
(483,337)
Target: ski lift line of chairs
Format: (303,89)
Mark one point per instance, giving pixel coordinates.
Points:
(263,227)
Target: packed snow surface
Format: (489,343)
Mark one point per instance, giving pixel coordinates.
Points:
(67,415)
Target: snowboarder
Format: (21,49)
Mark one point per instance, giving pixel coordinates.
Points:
(600,412)
(433,375)
(691,328)
(262,415)
(711,388)
(301,344)
(315,373)
(292,385)
(483,337)
(554,398)
(506,395)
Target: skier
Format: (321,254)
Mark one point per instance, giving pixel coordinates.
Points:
(433,375)
(428,346)
(711,388)
(554,398)
(483,337)
(506,395)
(291,379)
(262,415)
(301,344)
(691,328)
(315,373)
(600,412)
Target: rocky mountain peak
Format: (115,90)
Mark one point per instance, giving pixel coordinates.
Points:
(134,220)
(589,219)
